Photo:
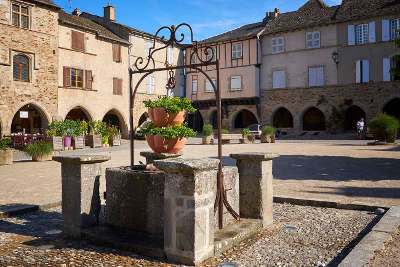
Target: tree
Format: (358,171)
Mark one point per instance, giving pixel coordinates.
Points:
(395,71)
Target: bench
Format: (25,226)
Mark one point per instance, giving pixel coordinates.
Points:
(227,138)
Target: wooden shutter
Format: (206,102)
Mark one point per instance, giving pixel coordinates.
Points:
(119,86)
(89,79)
(115,86)
(351,35)
(279,79)
(385,30)
(386,69)
(78,41)
(372,35)
(116,52)
(67,77)
(365,71)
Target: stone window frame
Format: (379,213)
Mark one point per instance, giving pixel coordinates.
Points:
(313,39)
(277,45)
(20,14)
(29,64)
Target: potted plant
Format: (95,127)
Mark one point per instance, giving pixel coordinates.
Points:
(384,128)
(81,129)
(248,138)
(69,133)
(41,151)
(169,111)
(6,154)
(268,134)
(114,135)
(54,135)
(224,131)
(170,139)
(94,139)
(207,134)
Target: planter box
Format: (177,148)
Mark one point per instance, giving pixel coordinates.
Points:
(267,138)
(207,140)
(56,141)
(93,141)
(46,158)
(79,142)
(245,140)
(114,141)
(6,157)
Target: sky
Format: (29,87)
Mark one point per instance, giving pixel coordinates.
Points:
(207,17)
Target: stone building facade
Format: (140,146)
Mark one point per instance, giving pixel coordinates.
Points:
(28,65)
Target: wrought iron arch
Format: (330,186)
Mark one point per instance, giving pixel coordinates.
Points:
(141,66)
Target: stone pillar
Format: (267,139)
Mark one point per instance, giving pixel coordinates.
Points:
(189,196)
(80,191)
(255,185)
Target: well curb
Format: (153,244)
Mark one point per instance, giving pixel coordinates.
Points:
(20,209)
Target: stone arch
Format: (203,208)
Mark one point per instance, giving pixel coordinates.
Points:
(392,107)
(114,117)
(195,121)
(243,119)
(352,115)
(37,121)
(282,118)
(313,119)
(79,113)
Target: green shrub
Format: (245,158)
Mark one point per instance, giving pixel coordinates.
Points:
(245,131)
(171,104)
(97,127)
(56,128)
(385,127)
(224,131)
(104,139)
(39,149)
(268,130)
(70,128)
(112,131)
(169,132)
(207,130)
(5,143)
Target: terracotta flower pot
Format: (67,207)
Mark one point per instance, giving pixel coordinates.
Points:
(160,118)
(161,145)
(6,157)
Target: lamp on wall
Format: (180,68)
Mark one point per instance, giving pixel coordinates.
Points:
(335,57)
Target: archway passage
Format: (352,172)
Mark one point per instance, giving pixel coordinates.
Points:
(352,116)
(29,119)
(195,121)
(213,119)
(393,108)
(313,120)
(78,114)
(114,118)
(283,119)
(244,119)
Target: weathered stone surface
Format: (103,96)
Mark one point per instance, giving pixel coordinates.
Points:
(135,200)
(152,156)
(255,156)
(186,165)
(83,159)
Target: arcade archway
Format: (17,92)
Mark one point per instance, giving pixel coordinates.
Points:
(29,119)
(352,116)
(244,119)
(283,118)
(393,108)
(78,113)
(314,120)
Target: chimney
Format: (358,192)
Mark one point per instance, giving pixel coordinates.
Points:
(271,15)
(76,12)
(109,12)
(276,12)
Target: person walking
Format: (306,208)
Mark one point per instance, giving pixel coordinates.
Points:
(360,128)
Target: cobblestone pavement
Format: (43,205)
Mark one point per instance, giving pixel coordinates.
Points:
(389,256)
(345,170)
(318,236)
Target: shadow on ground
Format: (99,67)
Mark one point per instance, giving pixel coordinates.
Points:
(353,191)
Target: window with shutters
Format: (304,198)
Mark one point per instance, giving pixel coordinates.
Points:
(193,59)
(169,55)
(277,45)
(76,78)
(20,16)
(313,39)
(116,50)
(150,84)
(362,71)
(236,83)
(279,79)
(362,34)
(237,51)
(194,85)
(117,86)
(209,87)
(21,68)
(211,52)
(78,41)
(149,46)
(394,28)
(316,76)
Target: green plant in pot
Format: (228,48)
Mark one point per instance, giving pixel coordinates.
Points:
(6,154)
(248,137)
(207,134)
(70,129)
(54,135)
(169,111)
(384,127)
(268,134)
(114,135)
(81,129)
(94,139)
(42,151)
(170,139)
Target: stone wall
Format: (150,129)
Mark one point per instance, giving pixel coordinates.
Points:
(40,45)
(370,97)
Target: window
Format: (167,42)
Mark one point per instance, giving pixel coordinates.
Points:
(78,41)
(194,86)
(394,27)
(149,46)
(362,34)
(150,85)
(169,54)
(316,76)
(362,71)
(20,16)
(21,68)
(279,79)
(277,45)
(209,87)
(211,52)
(116,50)
(193,59)
(236,83)
(117,86)
(236,51)
(76,78)
(313,39)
